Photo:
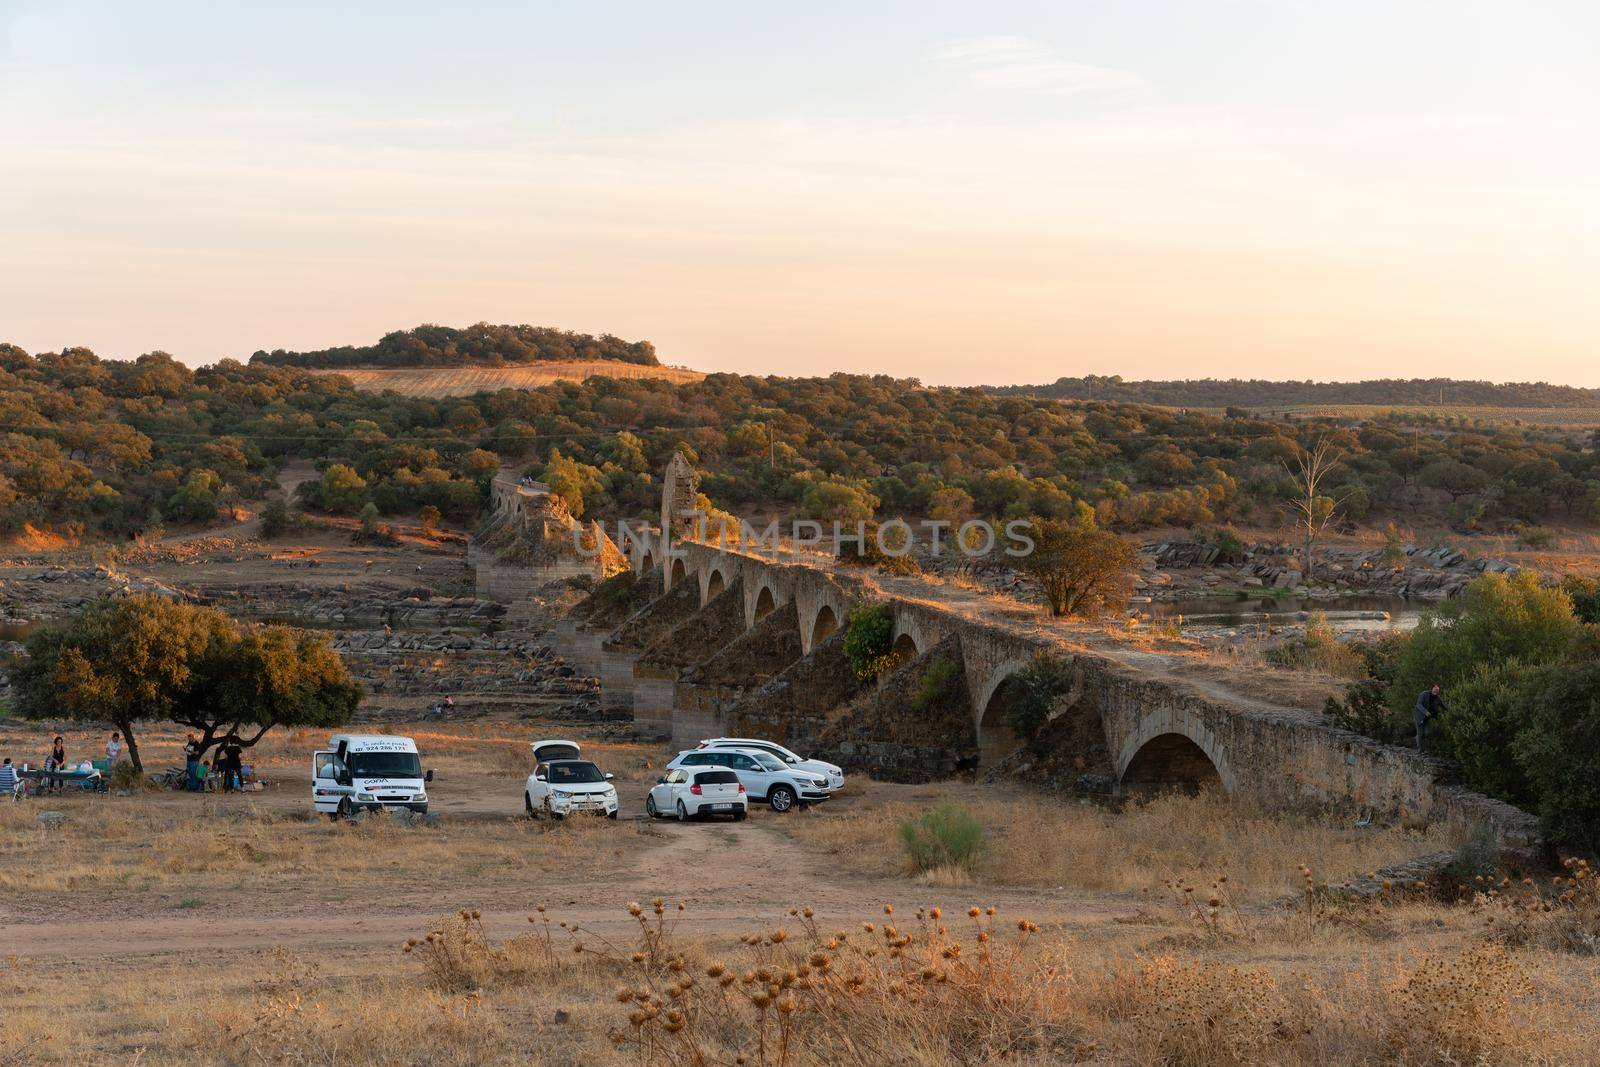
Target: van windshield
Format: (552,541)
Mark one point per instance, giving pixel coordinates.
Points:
(385,765)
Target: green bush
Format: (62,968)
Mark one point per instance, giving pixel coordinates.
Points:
(1035,690)
(948,835)
(936,683)
(869,640)
(1585,594)
(1486,712)
(1559,750)
(275,519)
(1496,619)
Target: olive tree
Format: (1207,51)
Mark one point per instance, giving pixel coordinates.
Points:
(148,659)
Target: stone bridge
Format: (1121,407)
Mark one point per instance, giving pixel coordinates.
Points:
(705,641)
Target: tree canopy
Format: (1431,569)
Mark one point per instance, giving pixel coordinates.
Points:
(145,658)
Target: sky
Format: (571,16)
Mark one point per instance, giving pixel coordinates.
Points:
(966,193)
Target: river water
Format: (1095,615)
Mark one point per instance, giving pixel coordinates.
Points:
(1351,613)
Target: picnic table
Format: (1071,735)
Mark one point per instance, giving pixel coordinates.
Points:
(92,781)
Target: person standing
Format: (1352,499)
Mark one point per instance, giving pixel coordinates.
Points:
(57,761)
(232,762)
(113,749)
(191,763)
(1429,703)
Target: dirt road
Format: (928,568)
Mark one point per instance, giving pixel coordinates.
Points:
(731,877)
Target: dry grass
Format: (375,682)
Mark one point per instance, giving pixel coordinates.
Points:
(212,844)
(930,988)
(1037,842)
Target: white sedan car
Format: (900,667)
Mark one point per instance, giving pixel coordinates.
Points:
(831,771)
(765,776)
(562,787)
(694,792)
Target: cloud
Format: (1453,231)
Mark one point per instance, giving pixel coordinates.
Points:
(1025,65)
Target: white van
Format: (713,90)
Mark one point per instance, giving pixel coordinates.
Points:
(368,772)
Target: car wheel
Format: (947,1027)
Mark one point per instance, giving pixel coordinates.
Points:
(741,815)
(683,812)
(650,806)
(550,811)
(527,806)
(345,808)
(781,797)
(612,815)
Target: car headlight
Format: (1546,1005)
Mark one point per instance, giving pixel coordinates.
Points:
(363,796)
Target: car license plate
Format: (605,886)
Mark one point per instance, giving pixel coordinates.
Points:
(722,807)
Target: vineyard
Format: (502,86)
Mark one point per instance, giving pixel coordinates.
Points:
(465,381)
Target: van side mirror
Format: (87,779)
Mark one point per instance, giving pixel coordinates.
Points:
(540,778)
(429,776)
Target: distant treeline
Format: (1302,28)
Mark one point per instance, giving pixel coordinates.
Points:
(482,345)
(1238,392)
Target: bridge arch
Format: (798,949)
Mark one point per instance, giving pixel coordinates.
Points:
(996,739)
(715,585)
(905,650)
(823,624)
(765,604)
(1167,752)
(677,573)
(647,562)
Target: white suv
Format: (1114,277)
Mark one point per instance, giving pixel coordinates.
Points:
(764,776)
(562,787)
(832,772)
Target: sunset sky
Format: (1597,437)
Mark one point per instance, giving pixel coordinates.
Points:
(973,192)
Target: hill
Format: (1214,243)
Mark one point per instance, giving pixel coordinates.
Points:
(466,381)
(1255,393)
(479,345)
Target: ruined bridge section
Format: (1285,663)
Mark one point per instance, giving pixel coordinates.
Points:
(1158,731)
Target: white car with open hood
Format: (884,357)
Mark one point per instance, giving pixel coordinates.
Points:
(562,784)
(368,772)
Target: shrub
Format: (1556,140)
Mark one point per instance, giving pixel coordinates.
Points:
(1486,711)
(275,519)
(869,640)
(1365,710)
(428,518)
(936,683)
(1035,690)
(947,837)
(1559,748)
(1585,594)
(1496,619)
(1318,649)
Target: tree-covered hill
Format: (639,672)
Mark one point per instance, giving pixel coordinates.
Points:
(113,448)
(1255,393)
(481,345)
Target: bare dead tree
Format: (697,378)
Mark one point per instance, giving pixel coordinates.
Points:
(1313,509)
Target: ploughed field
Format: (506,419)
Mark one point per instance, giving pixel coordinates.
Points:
(465,381)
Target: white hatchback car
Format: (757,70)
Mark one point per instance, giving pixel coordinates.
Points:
(691,793)
(562,787)
(832,772)
(764,777)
